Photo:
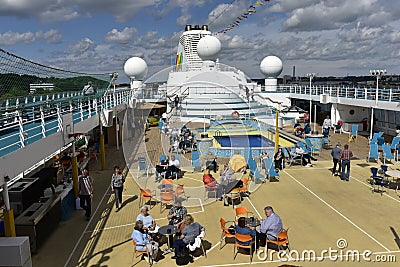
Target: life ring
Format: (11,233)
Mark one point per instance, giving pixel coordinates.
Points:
(235,115)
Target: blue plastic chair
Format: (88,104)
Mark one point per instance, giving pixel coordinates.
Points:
(353,133)
(273,173)
(384,169)
(303,147)
(268,164)
(196,161)
(373,151)
(143,166)
(315,144)
(395,142)
(387,153)
(254,172)
(377,181)
(375,137)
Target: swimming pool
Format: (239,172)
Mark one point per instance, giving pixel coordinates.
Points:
(244,141)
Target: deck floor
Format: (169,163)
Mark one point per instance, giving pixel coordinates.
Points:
(318,208)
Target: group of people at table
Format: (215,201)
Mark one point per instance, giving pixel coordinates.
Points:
(147,234)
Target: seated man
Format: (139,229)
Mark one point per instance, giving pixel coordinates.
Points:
(243,229)
(173,166)
(305,156)
(228,182)
(162,167)
(270,227)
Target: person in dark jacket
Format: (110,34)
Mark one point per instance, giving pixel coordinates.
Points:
(335,158)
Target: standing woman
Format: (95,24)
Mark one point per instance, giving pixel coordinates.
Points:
(85,189)
(117,186)
(278,159)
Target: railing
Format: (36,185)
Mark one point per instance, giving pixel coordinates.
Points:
(390,95)
(30,127)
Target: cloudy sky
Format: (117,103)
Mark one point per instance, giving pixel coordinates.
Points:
(331,37)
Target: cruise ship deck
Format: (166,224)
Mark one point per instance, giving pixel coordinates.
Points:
(322,213)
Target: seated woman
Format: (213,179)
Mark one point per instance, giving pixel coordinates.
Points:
(143,241)
(162,167)
(191,231)
(278,159)
(210,181)
(149,225)
(243,229)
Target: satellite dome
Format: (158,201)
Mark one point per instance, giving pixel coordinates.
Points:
(135,68)
(208,47)
(271,66)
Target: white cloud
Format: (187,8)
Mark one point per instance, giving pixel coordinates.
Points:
(12,38)
(122,37)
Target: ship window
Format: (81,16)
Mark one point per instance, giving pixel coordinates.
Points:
(351,111)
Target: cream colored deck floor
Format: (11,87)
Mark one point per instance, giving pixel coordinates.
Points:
(318,209)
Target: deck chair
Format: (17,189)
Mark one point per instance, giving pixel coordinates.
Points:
(293,157)
(143,166)
(146,195)
(273,173)
(353,133)
(242,211)
(337,128)
(373,152)
(375,137)
(377,181)
(196,163)
(387,153)
(315,144)
(395,142)
(139,253)
(225,231)
(239,239)
(254,172)
(303,146)
(282,240)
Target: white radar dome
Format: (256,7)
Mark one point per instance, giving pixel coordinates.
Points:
(271,66)
(208,47)
(135,68)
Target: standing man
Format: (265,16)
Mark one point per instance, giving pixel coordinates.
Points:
(85,188)
(335,157)
(117,186)
(326,126)
(345,157)
(270,227)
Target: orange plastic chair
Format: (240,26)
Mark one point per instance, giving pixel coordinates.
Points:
(241,211)
(137,253)
(225,232)
(243,239)
(166,198)
(146,195)
(245,185)
(282,240)
(180,191)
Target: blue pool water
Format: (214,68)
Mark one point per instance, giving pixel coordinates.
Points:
(244,141)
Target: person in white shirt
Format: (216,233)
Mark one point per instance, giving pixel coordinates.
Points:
(326,126)
(173,166)
(305,156)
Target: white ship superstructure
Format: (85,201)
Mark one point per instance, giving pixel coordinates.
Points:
(207,88)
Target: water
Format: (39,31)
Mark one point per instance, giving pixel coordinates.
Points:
(244,141)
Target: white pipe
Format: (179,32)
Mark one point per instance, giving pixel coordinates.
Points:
(5,196)
(372,123)
(315,117)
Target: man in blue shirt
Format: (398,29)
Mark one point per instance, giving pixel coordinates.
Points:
(335,157)
(270,227)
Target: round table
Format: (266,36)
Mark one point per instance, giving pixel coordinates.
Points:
(168,230)
(253,222)
(165,186)
(393,173)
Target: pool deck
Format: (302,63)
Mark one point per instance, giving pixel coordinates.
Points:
(319,209)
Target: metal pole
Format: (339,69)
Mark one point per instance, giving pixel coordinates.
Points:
(276,129)
(315,117)
(102,149)
(117,129)
(372,123)
(310,101)
(74,170)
